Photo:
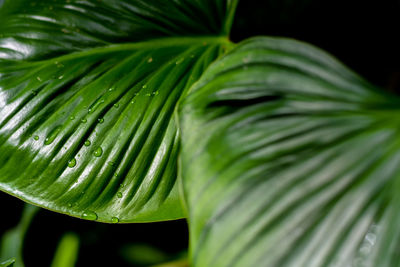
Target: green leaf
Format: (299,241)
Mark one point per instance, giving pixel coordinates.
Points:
(290,159)
(45,28)
(67,251)
(91,132)
(7,263)
(12,242)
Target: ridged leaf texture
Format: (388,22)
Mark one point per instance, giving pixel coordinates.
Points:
(290,159)
(45,28)
(90,132)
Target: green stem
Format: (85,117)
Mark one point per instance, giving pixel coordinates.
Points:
(232,5)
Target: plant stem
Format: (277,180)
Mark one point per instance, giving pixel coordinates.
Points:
(232,5)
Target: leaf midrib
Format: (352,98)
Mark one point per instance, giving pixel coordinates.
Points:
(145,45)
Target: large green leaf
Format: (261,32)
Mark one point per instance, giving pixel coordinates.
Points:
(37,29)
(290,159)
(94,131)
(91,132)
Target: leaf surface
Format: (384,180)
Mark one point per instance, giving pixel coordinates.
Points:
(90,132)
(47,28)
(290,159)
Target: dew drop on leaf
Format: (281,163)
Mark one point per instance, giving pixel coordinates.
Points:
(72,163)
(89,215)
(114,219)
(36,137)
(58,64)
(144,86)
(101,120)
(119,195)
(116,105)
(53,134)
(39,79)
(98,152)
(72,117)
(95,105)
(87,143)
(83,120)
(60,77)
(179,61)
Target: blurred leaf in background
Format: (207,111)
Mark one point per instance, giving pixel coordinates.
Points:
(67,251)
(12,241)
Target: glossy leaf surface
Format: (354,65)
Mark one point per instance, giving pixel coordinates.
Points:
(90,132)
(290,159)
(45,28)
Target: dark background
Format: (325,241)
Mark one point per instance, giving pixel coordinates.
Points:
(365,35)
(362,34)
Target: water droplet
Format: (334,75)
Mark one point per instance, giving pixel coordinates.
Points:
(69,205)
(116,174)
(150,60)
(111,89)
(114,219)
(148,94)
(133,101)
(58,64)
(36,137)
(144,86)
(122,185)
(53,134)
(119,195)
(87,143)
(60,77)
(72,163)
(98,152)
(116,105)
(72,117)
(83,120)
(179,61)
(39,79)
(156,92)
(95,105)
(89,215)
(101,120)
